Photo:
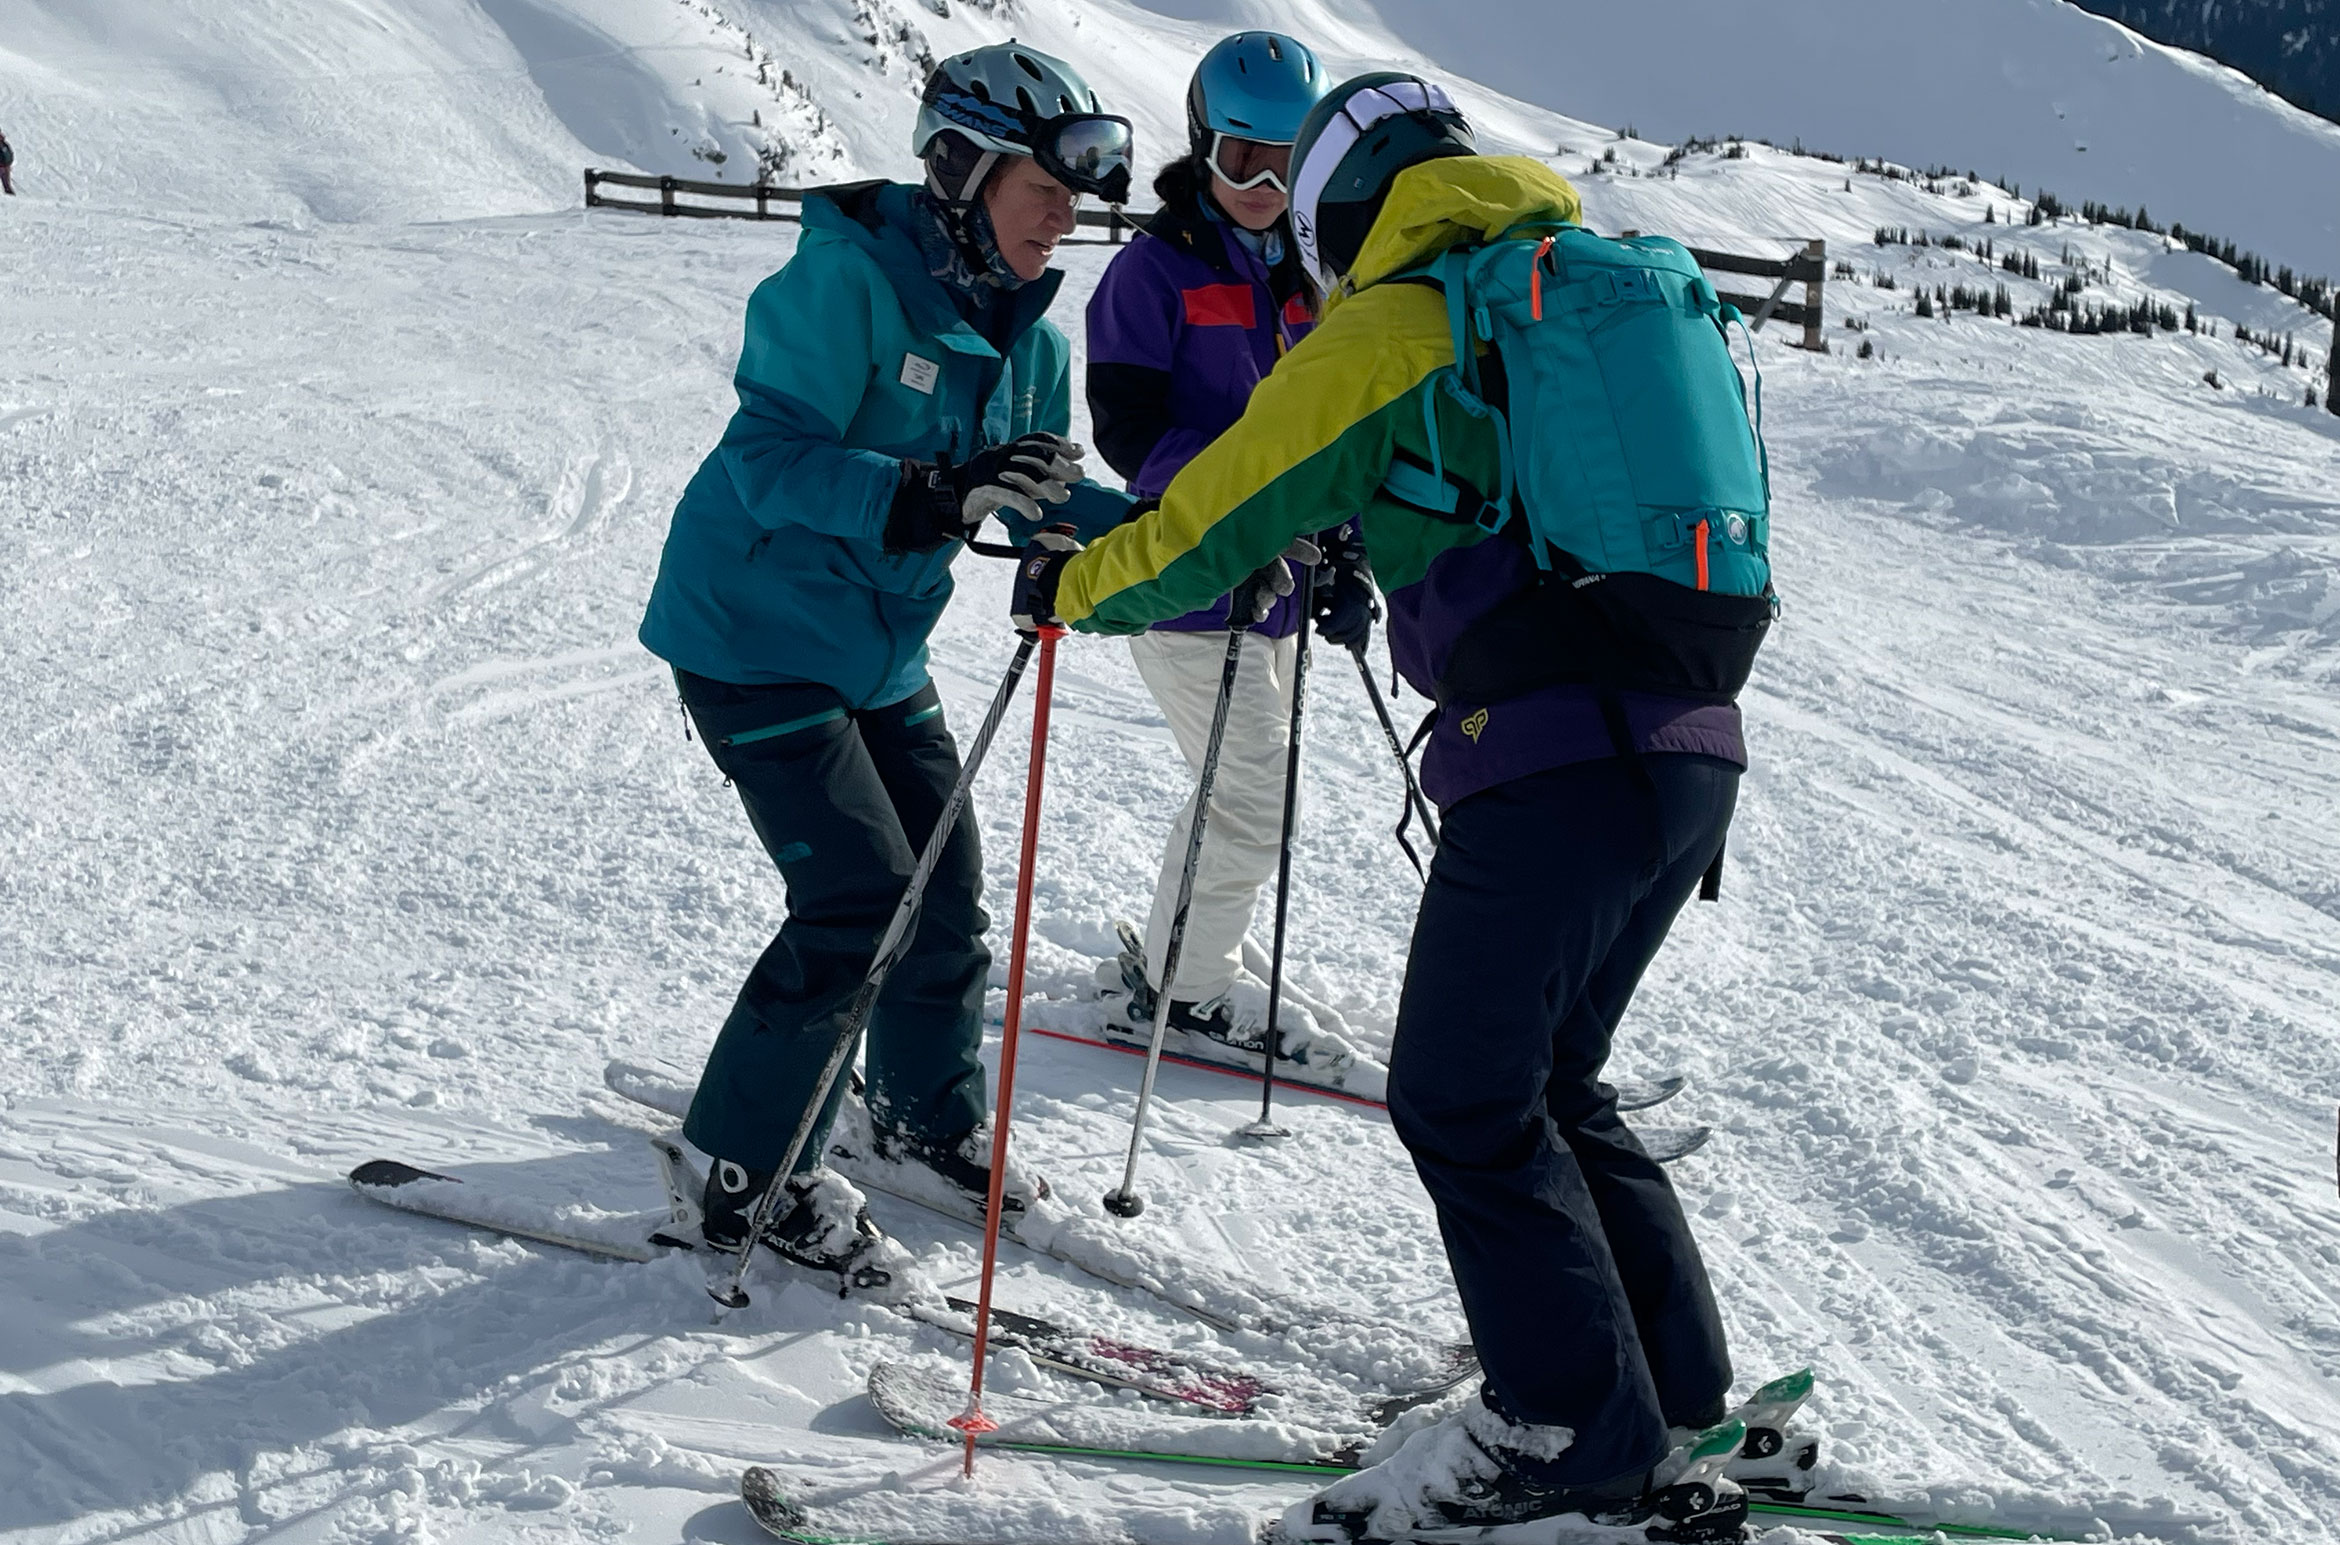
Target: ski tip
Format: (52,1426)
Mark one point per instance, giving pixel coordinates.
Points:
(389,1172)
(1788,1388)
(1719,1441)
(760,1489)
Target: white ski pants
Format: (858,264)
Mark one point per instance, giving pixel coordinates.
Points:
(1244,832)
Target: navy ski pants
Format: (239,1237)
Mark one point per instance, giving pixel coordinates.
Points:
(1585,1293)
(843,799)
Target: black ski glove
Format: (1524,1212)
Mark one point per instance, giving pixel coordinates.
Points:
(938,503)
(1032,605)
(1252,600)
(1347,604)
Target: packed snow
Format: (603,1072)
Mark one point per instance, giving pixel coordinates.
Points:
(347,820)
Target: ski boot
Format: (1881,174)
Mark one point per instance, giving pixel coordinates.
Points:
(1210,1019)
(1771,1463)
(818,1221)
(1477,1470)
(965,1167)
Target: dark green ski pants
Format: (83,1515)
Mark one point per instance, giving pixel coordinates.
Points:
(843,799)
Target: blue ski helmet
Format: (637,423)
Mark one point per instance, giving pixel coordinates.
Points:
(1254,85)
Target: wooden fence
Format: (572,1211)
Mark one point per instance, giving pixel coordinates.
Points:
(1809,267)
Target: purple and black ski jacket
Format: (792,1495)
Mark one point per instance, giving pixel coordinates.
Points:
(1185,322)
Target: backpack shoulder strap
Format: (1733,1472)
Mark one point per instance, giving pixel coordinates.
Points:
(1431,488)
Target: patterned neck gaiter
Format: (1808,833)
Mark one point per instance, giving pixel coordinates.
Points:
(962,251)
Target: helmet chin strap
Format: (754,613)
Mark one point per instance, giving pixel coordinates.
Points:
(960,197)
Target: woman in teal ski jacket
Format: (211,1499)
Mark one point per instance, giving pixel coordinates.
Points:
(898,386)
(857,359)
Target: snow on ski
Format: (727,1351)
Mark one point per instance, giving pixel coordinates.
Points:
(785,1517)
(920,1396)
(1208,1056)
(433,1195)
(1423,1370)
(1168,1376)
(1218,1391)
(1093,1245)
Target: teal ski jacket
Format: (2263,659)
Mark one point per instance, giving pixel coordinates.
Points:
(856,359)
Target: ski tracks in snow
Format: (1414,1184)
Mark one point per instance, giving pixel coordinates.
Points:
(353,823)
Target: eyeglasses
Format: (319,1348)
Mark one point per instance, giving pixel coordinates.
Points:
(1248,163)
(1088,153)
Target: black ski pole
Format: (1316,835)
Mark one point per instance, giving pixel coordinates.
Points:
(1271,1038)
(895,943)
(1123,1201)
(1415,802)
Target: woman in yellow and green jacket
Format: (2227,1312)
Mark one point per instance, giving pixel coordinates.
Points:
(1567,846)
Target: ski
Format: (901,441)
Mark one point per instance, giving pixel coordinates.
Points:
(921,1399)
(1671,1145)
(433,1195)
(1099,1247)
(1166,1376)
(1215,1391)
(782,1516)
(1336,1070)
(1632,1093)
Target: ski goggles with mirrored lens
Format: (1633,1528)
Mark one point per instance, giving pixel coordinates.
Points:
(1088,153)
(1247,163)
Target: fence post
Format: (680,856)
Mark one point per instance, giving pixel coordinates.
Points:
(762,193)
(1817,252)
(592,178)
(666,195)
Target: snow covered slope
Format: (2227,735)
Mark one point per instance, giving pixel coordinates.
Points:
(2036,91)
(396,109)
(449,109)
(345,818)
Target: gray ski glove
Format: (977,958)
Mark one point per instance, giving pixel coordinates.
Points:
(1252,600)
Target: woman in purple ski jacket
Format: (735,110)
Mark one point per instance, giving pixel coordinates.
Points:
(1186,321)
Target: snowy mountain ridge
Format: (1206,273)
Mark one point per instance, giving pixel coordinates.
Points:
(455,109)
(348,820)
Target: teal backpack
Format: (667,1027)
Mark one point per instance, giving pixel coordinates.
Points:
(1626,452)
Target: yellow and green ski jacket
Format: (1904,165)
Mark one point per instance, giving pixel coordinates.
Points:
(1317,440)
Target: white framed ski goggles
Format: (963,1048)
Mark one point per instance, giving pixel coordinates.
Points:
(1088,153)
(1243,164)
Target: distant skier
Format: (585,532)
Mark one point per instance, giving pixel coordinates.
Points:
(7,164)
(897,384)
(1579,815)
(1187,319)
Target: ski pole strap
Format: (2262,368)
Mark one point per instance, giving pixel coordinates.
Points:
(1406,766)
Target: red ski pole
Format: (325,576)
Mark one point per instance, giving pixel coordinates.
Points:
(972,1421)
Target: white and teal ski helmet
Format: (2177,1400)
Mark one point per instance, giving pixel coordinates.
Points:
(1254,85)
(1352,146)
(1005,99)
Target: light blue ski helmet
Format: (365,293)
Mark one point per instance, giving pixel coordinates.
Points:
(1007,99)
(1255,86)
